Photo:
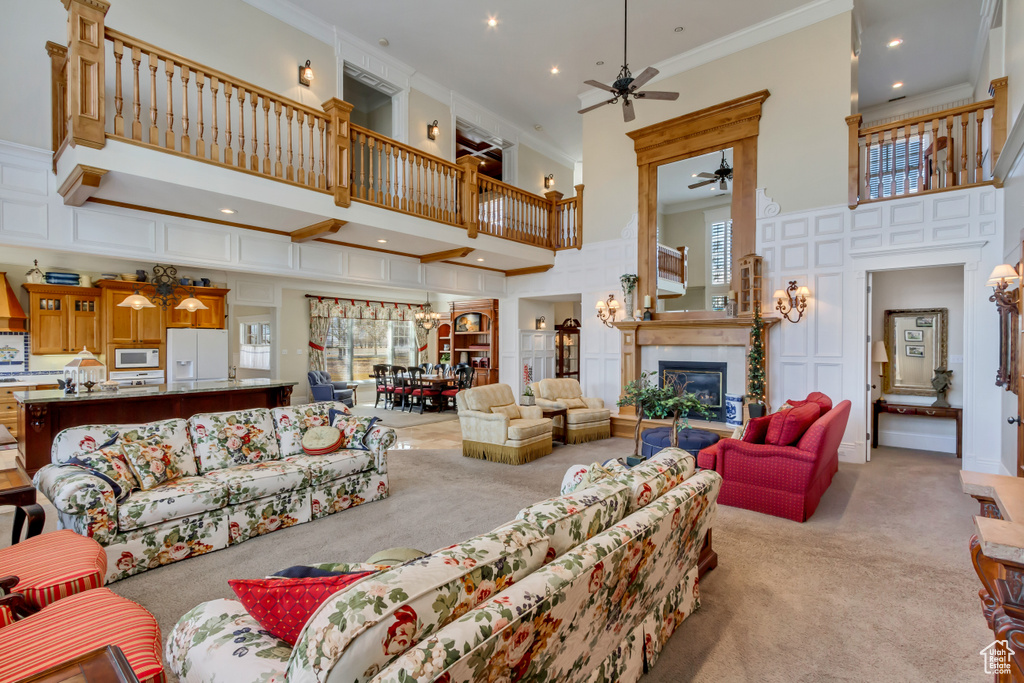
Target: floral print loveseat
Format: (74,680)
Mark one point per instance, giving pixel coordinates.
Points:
(243,474)
(584,587)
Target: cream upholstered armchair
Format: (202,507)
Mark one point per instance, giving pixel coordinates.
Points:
(495,428)
(588,419)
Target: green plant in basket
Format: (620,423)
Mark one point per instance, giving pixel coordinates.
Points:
(680,404)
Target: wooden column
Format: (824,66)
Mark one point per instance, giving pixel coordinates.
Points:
(85,74)
(631,367)
(998,91)
(853,186)
(339,168)
(58,97)
(469,193)
(554,229)
(579,216)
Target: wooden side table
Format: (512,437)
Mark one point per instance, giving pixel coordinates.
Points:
(105,665)
(16,489)
(957,414)
(552,413)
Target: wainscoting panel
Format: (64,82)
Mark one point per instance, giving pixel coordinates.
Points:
(315,260)
(264,251)
(118,234)
(187,240)
(25,220)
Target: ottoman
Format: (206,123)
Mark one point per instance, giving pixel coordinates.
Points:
(74,626)
(690,440)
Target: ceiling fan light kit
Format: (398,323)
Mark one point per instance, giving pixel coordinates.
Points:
(626,86)
(720,177)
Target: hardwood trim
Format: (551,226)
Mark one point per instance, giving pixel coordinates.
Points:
(311,232)
(528,271)
(937,190)
(926,118)
(58,96)
(189,216)
(460,252)
(853,168)
(81,184)
(999,117)
(473,265)
(86,72)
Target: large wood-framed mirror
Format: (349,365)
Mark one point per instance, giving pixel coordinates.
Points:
(916,344)
(671,155)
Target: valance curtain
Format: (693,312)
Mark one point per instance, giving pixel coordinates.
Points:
(322,309)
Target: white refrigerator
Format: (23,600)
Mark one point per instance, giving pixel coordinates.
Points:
(195,355)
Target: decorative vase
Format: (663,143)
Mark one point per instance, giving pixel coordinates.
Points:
(733,410)
(627,300)
(525,400)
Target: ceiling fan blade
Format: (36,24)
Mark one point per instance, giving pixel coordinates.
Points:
(707,175)
(627,110)
(706,182)
(658,95)
(645,75)
(599,86)
(594,106)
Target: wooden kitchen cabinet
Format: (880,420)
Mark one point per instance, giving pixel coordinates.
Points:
(64,319)
(211,318)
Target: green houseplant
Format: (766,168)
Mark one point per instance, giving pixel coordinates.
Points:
(643,396)
(680,404)
(755,366)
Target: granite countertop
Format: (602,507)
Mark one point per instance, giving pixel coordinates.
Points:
(55,395)
(33,380)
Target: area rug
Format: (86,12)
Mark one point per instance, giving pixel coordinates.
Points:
(832,599)
(398,419)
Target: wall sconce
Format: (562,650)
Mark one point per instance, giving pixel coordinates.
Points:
(433,130)
(1006,301)
(1000,280)
(542,323)
(549,181)
(791,299)
(305,74)
(606,312)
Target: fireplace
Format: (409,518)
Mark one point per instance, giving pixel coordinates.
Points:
(707,380)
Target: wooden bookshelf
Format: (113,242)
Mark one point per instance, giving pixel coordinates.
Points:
(474,332)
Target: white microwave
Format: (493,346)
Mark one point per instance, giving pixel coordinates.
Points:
(136,358)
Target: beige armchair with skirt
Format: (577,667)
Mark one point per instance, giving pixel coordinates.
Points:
(495,428)
(588,419)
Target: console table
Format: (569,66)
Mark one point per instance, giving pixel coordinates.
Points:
(921,411)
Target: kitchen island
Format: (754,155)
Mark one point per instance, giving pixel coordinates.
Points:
(42,414)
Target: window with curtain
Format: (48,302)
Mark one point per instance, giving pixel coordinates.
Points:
(721,252)
(254,349)
(894,168)
(354,346)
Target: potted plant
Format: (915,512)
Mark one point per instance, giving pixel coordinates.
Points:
(755,366)
(446,357)
(643,396)
(527,398)
(680,404)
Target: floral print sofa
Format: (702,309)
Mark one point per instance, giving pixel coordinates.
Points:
(244,474)
(584,587)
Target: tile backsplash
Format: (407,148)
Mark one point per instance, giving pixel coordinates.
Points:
(26,368)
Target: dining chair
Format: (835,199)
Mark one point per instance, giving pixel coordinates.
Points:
(384,388)
(427,368)
(400,385)
(422,391)
(463,380)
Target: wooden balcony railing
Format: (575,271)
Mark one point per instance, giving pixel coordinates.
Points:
(672,263)
(125,89)
(935,152)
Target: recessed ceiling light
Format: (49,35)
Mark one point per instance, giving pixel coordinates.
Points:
(694,175)
(600,63)
(554,69)
(678,29)
(898,84)
(227,210)
(895,42)
(383,42)
(538,127)
(382,241)
(492,22)
(480,260)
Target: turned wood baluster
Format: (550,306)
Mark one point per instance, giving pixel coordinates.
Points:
(278,166)
(229,153)
(979,172)
(937,134)
(867,167)
(445,171)
(214,144)
(186,142)
(311,174)
(430,170)
(266,136)
(170,141)
(241,127)
(136,96)
(362,166)
(903,133)
(289,171)
(964,172)
(387,174)
(371,152)
(401,179)
(300,120)
(118,99)
(254,158)
(419,185)
(950,157)
(154,134)
(920,157)
(200,127)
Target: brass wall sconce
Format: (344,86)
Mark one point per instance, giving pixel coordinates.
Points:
(549,181)
(606,311)
(791,300)
(305,74)
(433,130)
(542,323)
(1006,301)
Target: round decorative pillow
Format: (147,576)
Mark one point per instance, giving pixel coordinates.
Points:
(322,440)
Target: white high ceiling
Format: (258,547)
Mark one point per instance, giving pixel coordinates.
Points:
(674,181)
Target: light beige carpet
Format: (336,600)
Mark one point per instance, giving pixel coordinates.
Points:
(877,586)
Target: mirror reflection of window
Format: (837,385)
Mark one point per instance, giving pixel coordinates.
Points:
(254,351)
(694,224)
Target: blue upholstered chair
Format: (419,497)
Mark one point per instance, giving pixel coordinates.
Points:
(323,388)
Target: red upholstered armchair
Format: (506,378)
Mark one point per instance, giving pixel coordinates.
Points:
(784,481)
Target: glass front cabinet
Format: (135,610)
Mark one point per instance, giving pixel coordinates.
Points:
(567,349)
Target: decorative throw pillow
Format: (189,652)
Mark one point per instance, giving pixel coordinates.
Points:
(792,424)
(109,465)
(511,411)
(394,556)
(151,464)
(303,572)
(756,429)
(322,440)
(283,606)
(573,402)
(353,430)
(823,401)
(334,413)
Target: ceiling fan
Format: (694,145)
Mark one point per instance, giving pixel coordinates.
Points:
(625,86)
(720,176)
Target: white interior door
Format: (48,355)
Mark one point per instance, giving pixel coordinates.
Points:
(868,406)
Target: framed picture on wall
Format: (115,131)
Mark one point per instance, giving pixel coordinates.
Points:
(468,322)
(925,322)
(915,351)
(913,335)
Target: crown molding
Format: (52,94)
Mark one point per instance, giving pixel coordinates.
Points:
(296,17)
(775,27)
(428,86)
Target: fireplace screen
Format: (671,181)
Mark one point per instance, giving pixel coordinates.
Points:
(706,380)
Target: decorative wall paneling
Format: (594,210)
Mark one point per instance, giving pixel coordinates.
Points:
(537,349)
(831,249)
(33,215)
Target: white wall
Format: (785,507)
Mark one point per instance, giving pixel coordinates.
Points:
(938,287)
(533,166)
(423,110)
(531,309)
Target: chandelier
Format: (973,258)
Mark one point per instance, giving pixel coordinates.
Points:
(166,291)
(426,318)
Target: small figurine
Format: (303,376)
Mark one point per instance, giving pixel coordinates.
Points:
(34,275)
(942,382)
(69,385)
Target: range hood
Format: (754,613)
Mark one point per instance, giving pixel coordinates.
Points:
(12,316)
